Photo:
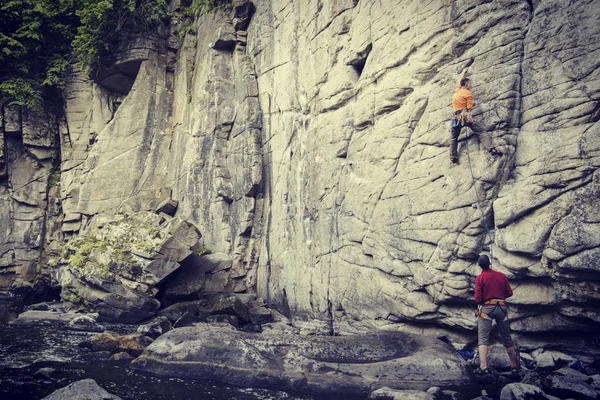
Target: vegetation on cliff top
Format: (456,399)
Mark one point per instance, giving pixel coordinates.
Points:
(39,38)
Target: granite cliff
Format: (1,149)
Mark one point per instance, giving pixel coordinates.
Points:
(308,143)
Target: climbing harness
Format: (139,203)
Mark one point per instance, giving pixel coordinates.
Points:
(494,303)
(487,230)
(461,118)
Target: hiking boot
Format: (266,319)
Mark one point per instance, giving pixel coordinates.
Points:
(514,373)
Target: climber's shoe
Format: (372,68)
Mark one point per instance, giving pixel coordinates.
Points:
(495,152)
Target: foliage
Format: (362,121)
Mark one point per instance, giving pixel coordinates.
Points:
(54,179)
(102,20)
(202,251)
(35,37)
(199,6)
(39,38)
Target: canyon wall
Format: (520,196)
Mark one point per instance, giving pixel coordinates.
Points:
(308,142)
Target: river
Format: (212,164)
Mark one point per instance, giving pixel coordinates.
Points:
(25,350)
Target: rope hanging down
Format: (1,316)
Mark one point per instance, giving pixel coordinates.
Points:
(487,230)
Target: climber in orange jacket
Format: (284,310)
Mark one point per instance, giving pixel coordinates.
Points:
(462,103)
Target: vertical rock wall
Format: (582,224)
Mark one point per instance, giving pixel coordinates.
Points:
(27,151)
(308,143)
(366,219)
(215,162)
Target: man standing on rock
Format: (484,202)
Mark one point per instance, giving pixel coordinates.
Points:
(491,290)
(462,103)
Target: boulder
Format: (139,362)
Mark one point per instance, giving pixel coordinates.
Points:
(156,327)
(551,359)
(115,268)
(197,308)
(321,364)
(260,315)
(168,207)
(188,319)
(86,389)
(85,323)
(45,373)
(133,343)
(519,391)
(386,393)
(570,386)
(33,317)
(122,356)
(232,306)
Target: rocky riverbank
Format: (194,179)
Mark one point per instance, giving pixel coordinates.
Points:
(181,344)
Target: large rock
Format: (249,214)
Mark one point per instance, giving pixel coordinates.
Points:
(332,364)
(86,389)
(132,344)
(518,391)
(35,317)
(116,267)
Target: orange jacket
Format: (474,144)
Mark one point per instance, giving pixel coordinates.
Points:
(462,99)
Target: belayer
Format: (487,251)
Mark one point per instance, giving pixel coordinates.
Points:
(462,103)
(491,291)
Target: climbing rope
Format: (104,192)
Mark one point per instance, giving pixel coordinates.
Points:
(478,201)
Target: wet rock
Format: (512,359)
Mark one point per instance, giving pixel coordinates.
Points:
(133,343)
(122,356)
(519,391)
(86,389)
(224,318)
(85,323)
(260,315)
(188,319)
(38,307)
(566,386)
(386,393)
(197,308)
(497,357)
(47,373)
(550,359)
(449,395)
(323,364)
(533,378)
(33,317)
(232,306)
(155,328)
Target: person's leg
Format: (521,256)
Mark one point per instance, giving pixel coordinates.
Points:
(483,353)
(485,138)
(512,356)
(454,144)
(507,341)
(484,328)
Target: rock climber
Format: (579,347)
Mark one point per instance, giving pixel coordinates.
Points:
(462,103)
(491,290)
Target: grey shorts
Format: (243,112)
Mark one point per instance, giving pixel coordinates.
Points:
(484,325)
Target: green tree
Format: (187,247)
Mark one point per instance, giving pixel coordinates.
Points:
(39,38)
(35,37)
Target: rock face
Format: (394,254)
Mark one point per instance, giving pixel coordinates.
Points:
(356,364)
(28,148)
(308,142)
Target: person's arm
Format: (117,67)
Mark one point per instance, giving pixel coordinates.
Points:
(478,290)
(462,76)
(508,290)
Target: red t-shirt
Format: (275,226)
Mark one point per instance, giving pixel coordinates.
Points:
(491,284)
